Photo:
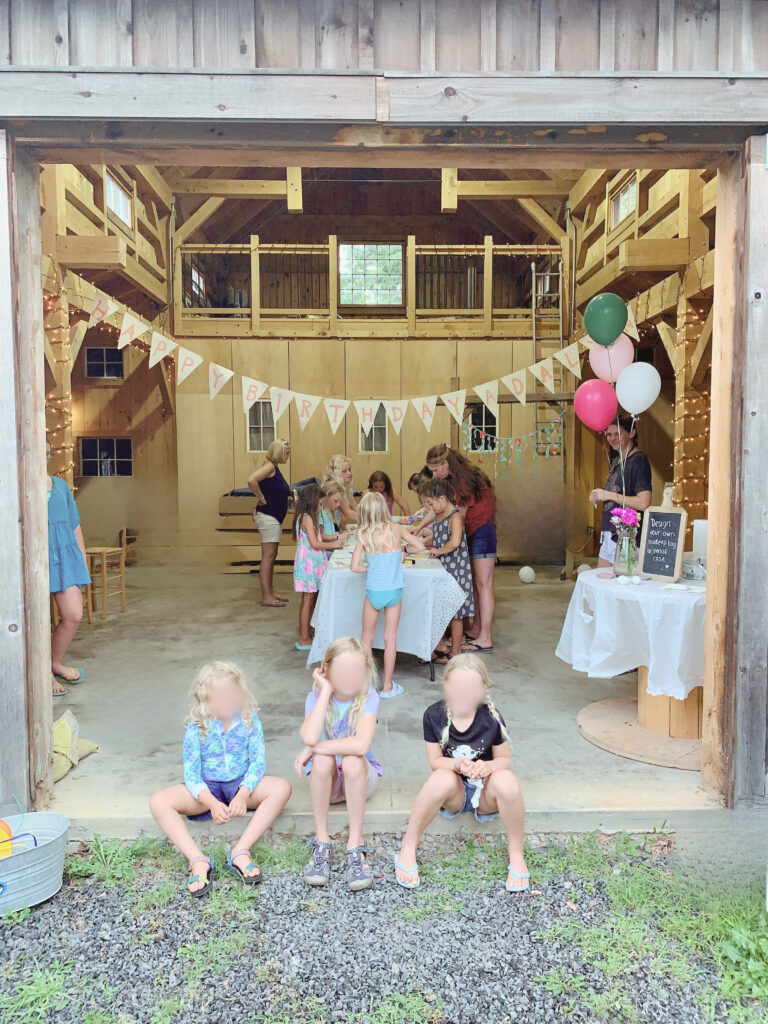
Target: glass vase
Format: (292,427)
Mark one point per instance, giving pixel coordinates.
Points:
(625,559)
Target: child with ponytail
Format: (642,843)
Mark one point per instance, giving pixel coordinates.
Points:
(468,750)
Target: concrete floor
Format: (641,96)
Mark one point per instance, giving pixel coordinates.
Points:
(139,665)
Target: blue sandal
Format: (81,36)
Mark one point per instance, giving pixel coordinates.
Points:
(410,871)
(238,872)
(199,878)
(517,888)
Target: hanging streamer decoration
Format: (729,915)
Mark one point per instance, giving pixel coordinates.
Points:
(506,450)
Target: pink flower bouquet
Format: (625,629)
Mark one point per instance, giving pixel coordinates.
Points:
(625,517)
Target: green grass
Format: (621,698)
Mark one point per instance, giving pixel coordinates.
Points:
(426,904)
(113,862)
(15,916)
(409,1008)
(167,1012)
(34,999)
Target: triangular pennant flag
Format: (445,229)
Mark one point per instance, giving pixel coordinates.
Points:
(335,410)
(631,326)
(455,402)
(569,357)
(280,399)
(131,329)
(160,347)
(396,411)
(252,392)
(305,406)
(425,408)
(217,378)
(102,307)
(544,372)
(517,383)
(488,394)
(186,362)
(366,413)
(586,341)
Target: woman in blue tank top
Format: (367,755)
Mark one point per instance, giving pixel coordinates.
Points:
(381,540)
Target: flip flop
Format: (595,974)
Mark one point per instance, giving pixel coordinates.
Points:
(517,888)
(58,693)
(237,871)
(277,604)
(302,647)
(394,692)
(410,871)
(472,646)
(72,682)
(441,658)
(198,878)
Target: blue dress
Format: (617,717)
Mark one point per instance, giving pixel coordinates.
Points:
(66,565)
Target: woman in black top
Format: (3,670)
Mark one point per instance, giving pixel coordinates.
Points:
(636,489)
(272,493)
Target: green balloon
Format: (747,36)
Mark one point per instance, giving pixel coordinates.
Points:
(605,318)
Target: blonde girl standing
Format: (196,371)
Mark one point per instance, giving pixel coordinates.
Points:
(339,724)
(468,750)
(382,541)
(311,559)
(224,765)
(339,471)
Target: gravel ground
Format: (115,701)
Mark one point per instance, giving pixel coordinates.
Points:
(127,945)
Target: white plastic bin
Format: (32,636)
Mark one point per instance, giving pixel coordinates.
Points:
(33,873)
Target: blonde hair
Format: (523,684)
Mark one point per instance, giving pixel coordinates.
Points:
(277,453)
(349,645)
(333,475)
(331,487)
(376,529)
(200,693)
(473,664)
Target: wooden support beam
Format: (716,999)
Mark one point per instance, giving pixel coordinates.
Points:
(668,337)
(488,285)
(449,193)
(50,358)
(293,193)
(698,364)
(196,220)
(542,218)
(165,392)
(649,254)
(91,252)
(333,285)
(255,286)
(410,288)
(152,181)
(76,336)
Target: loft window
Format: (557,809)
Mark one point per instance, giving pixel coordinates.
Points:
(484,422)
(119,201)
(261,426)
(106,456)
(624,202)
(371,274)
(377,438)
(198,284)
(101,363)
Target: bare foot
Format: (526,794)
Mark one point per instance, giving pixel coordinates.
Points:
(67,673)
(273,604)
(201,868)
(56,685)
(517,862)
(242,861)
(403,869)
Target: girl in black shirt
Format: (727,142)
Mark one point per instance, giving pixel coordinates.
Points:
(468,750)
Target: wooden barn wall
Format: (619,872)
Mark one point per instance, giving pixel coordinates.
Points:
(395,35)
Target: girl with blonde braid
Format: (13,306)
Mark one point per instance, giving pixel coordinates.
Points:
(339,471)
(340,720)
(468,750)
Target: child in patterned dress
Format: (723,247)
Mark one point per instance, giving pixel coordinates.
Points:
(311,559)
(449,544)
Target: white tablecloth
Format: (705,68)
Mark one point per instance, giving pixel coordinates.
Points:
(612,628)
(431,597)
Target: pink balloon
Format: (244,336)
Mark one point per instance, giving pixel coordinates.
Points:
(595,403)
(607,363)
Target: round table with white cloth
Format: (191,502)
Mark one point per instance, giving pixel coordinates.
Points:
(614,626)
(431,598)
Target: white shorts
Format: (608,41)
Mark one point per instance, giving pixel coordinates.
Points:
(271,531)
(607,547)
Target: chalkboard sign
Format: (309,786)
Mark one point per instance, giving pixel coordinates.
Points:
(662,541)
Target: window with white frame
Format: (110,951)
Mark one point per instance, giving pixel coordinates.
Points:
(624,202)
(261,426)
(371,274)
(103,363)
(106,456)
(197,279)
(377,438)
(118,200)
(483,436)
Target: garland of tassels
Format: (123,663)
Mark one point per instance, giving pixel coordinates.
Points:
(507,449)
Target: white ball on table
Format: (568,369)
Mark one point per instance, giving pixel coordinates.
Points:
(527,575)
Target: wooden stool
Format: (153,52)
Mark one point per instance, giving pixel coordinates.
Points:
(87,605)
(101,563)
(666,716)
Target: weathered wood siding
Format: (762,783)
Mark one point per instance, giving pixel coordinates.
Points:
(393,35)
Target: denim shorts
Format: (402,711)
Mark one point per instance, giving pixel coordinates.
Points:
(482,543)
(384,598)
(223,791)
(469,792)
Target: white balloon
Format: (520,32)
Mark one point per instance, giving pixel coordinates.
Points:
(527,575)
(638,387)
(583,568)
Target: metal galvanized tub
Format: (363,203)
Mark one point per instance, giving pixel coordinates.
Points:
(33,871)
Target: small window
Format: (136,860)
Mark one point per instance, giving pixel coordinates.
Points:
(377,438)
(483,436)
(106,456)
(623,202)
(261,426)
(371,274)
(101,363)
(198,284)
(118,201)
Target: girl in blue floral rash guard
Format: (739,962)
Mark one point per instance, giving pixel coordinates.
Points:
(224,778)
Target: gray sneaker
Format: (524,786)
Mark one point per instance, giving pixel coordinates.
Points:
(359,874)
(318,869)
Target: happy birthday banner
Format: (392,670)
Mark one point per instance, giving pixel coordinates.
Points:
(133,329)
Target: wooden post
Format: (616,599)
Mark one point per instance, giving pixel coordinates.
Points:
(59,400)
(255,286)
(333,286)
(488,286)
(410,286)
(26,707)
